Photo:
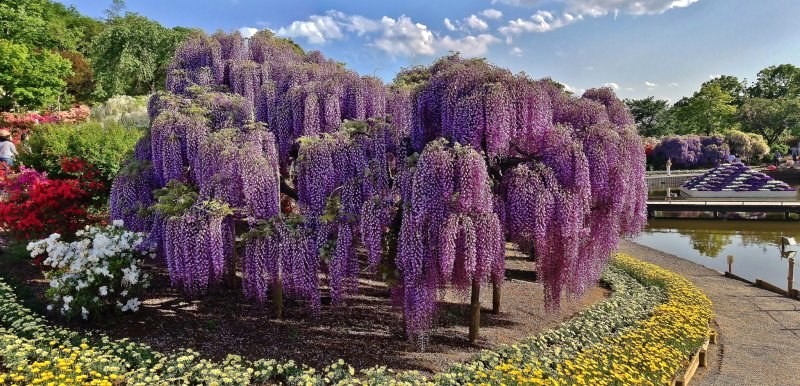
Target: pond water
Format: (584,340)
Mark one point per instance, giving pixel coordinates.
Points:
(754,244)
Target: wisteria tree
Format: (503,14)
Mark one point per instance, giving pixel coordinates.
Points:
(307,164)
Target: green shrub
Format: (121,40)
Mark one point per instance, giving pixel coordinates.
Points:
(104,146)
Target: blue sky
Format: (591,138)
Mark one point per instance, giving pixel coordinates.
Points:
(665,48)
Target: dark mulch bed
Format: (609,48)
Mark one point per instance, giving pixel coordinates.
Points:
(367,331)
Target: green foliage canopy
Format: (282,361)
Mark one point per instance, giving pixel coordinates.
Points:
(771,118)
(29,78)
(650,115)
(708,111)
(131,55)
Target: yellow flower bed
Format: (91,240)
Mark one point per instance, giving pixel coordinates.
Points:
(650,353)
(32,364)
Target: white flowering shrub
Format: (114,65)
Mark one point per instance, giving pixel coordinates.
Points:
(99,272)
(124,110)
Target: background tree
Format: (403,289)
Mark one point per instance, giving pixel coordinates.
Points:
(731,85)
(649,114)
(746,145)
(30,79)
(771,118)
(708,111)
(80,84)
(131,55)
(782,81)
(47,24)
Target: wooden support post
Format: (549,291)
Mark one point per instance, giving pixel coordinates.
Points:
(786,215)
(496,287)
(277,297)
(790,277)
(231,274)
(475,312)
(730,263)
(716,214)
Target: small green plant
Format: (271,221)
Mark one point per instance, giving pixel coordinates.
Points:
(104,146)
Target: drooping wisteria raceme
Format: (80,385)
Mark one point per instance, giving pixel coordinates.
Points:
(429,177)
(450,234)
(544,161)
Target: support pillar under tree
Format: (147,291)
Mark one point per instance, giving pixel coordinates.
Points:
(496,287)
(231,268)
(277,297)
(475,312)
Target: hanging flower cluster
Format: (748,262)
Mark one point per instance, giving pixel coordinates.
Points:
(281,252)
(450,233)
(569,171)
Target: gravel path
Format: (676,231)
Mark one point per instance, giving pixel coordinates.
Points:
(759,331)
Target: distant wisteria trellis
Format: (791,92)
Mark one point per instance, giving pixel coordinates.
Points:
(430,176)
(691,151)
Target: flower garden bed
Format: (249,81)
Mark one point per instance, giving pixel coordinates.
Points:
(736,181)
(654,321)
(368,331)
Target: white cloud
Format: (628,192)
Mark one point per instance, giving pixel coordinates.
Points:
(575,10)
(714,76)
(673,85)
(491,13)
(612,85)
(317,29)
(650,84)
(449,24)
(589,68)
(568,87)
(471,23)
(541,21)
(403,36)
(632,7)
(247,31)
(516,51)
(467,45)
(476,23)
(629,89)
(355,23)
(396,36)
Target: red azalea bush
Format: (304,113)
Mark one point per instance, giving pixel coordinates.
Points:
(20,123)
(35,206)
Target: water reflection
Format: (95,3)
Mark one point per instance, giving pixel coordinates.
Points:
(755,245)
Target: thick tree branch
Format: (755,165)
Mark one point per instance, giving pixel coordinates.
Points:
(287,189)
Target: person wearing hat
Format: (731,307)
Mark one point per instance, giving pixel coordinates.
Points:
(7,149)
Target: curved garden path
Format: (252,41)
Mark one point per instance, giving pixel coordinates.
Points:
(759,331)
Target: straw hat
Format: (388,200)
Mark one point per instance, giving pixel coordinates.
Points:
(4,133)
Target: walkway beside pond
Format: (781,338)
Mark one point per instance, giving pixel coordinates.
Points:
(759,331)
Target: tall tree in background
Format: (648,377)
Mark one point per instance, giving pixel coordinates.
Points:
(28,78)
(649,114)
(80,84)
(46,24)
(773,82)
(708,111)
(771,118)
(131,55)
(731,85)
